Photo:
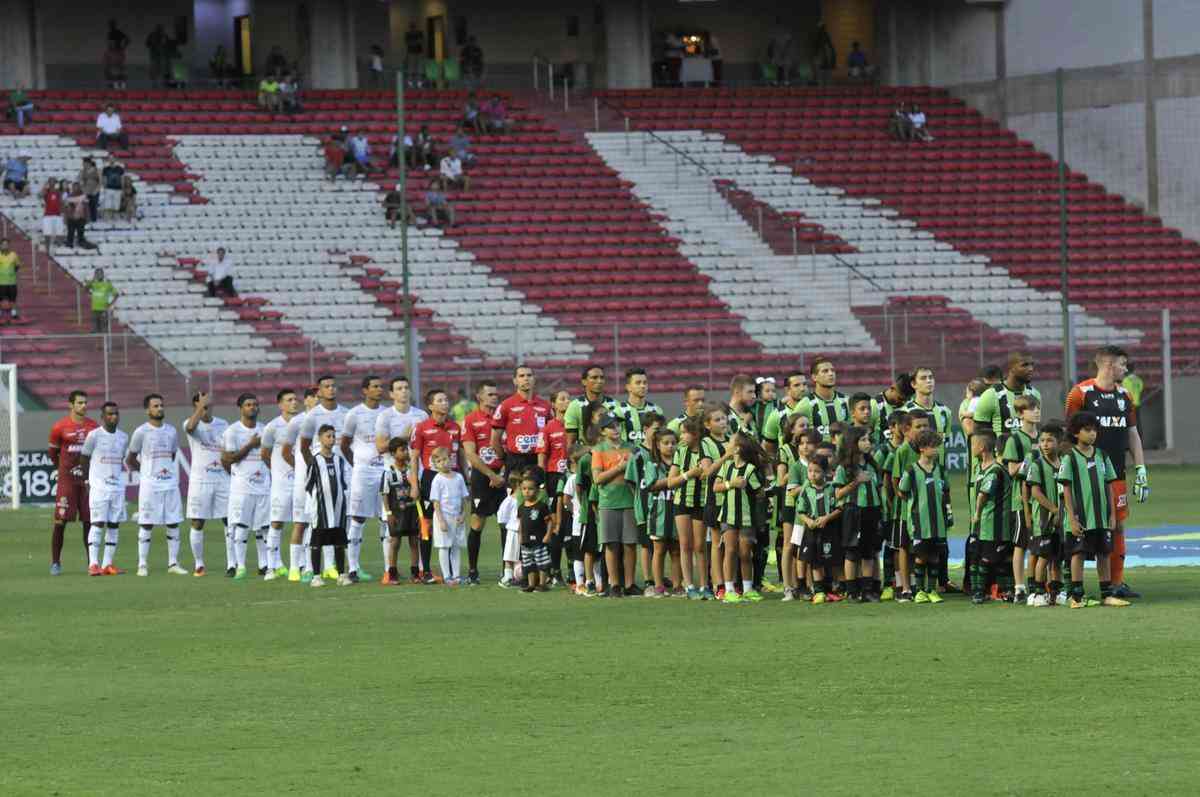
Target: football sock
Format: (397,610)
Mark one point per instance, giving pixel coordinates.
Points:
(260,549)
(943,564)
(230,547)
(94,533)
(385,540)
(328,559)
(747,585)
(355,535)
(1030,584)
(474,540)
(295,553)
(56,541)
(978,577)
(427,555)
(729,587)
(196,539)
(444,563)
(110,546)
(1105,589)
(241,536)
(314,554)
(919,570)
(889,565)
(143,546)
(508,570)
(1077,590)
(339,558)
(579,574)
(273,536)
(172,545)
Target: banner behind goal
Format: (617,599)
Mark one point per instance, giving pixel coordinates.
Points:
(10,472)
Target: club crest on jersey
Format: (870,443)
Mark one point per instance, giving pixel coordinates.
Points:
(534,515)
(1121,404)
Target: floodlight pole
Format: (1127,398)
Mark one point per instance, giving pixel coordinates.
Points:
(1068,365)
(407,299)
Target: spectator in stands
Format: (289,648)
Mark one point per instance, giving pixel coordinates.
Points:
(496,114)
(920,131)
(220,274)
(89,179)
(129,208)
(414,51)
(289,94)
(335,159)
(899,125)
(857,64)
(421,153)
(393,204)
(375,66)
(360,154)
(460,145)
(159,45)
(436,204)
(10,264)
(398,152)
(824,53)
(472,116)
(177,68)
(114,56)
(116,37)
(276,62)
(779,50)
(53,228)
(268,94)
(103,295)
(673,52)
(472,62)
(451,170)
(16,176)
(718,60)
(108,128)
(76,213)
(218,66)
(20,108)
(110,197)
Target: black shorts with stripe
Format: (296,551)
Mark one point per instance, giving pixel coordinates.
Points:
(485,499)
(535,558)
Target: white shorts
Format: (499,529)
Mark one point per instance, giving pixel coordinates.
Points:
(455,535)
(207,501)
(364,493)
(302,511)
(798,531)
(110,199)
(512,546)
(281,502)
(250,510)
(159,508)
(106,507)
(53,226)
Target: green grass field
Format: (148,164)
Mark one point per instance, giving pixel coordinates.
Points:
(137,685)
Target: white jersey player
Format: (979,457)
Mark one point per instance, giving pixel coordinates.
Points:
(208,481)
(283,474)
(358,447)
(103,459)
(153,447)
(249,488)
(325,411)
(397,420)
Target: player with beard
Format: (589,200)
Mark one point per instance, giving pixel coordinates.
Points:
(152,451)
(70,494)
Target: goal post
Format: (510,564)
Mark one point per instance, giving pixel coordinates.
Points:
(10,471)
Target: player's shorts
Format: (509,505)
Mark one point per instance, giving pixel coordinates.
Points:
(282,501)
(207,501)
(1022,534)
(159,508)
(405,523)
(512,546)
(927,549)
(712,515)
(535,558)
(323,537)
(53,226)
(1048,547)
(743,532)
(302,507)
(643,535)
(251,510)
(590,541)
(1092,543)
(71,501)
(900,540)
(1120,491)
(787,514)
(994,552)
(860,533)
(106,507)
(618,526)
(691,512)
(485,499)
(364,498)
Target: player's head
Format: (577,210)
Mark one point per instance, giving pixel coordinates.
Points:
(741,390)
(610,428)
(440,459)
(1083,427)
(287,401)
(1111,363)
(860,409)
(325,437)
(921,380)
(589,420)
(529,488)
(975,388)
(807,442)
(1020,368)
(796,384)
(221,252)
(663,442)
(690,432)
(398,449)
(818,466)
(693,401)
(327,388)
(248,404)
(991,374)
(560,401)
(823,373)
(153,403)
(437,402)
(983,443)
(849,452)
(1050,437)
(898,422)
(110,415)
(372,388)
(716,421)
(592,379)
(310,398)
(637,384)
(1028,409)
(98,274)
(399,391)
(523,379)
(486,395)
(764,388)
(927,443)
(918,421)
(797,425)
(77,402)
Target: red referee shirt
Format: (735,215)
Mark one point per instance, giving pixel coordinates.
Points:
(429,435)
(67,436)
(554,446)
(477,427)
(522,421)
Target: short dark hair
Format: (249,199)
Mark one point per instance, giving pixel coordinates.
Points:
(1109,352)
(858,398)
(325,427)
(632,372)
(429,394)
(991,373)
(309,392)
(368,379)
(650,418)
(521,366)
(691,388)
(244,397)
(1080,421)
(483,384)
(836,428)
(330,377)
(740,381)
(987,436)
(898,418)
(918,415)
(820,460)
(927,439)
(394,380)
(108,404)
(589,368)
(812,436)
(397,443)
(74,394)
(283,392)
(150,397)
(1054,428)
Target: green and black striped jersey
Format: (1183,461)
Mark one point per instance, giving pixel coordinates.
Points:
(901,460)
(928,493)
(738,425)
(736,511)
(676,424)
(631,420)
(995,517)
(940,421)
(574,414)
(795,467)
(823,412)
(775,427)
(1016,449)
(815,502)
(660,519)
(635,471)
(689,495)
(712,449)
(867,495)
(1087,478)
(1038,472)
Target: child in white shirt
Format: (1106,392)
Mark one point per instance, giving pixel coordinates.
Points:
(451,502)
(507,517)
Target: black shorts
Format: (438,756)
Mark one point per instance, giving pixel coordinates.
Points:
(1022,534)
(822,547)
(900,540)
(485,499)
(8,293)
(692,512)
(425,485)
(1048,547)
(995,552)
(787,514)
(15,185)
(1095,543)
(643,535)
(860,533)
(404,523)
(712,518)
(323,537)
(927,549)
(535,558)
(590,542)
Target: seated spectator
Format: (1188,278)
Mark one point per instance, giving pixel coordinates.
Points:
(472,116)
(268,94)
(360,154)
(289,94)
(108,128)
(20,108)
(393,204)
(919,130)
(451,171)
(129,208)
(10,264)
(421,153)
(496,113)
(398,153)
(276,62)
(335,159)
(89,179)
(460,146)
(53,228)
(104,295)
(76,213)
(856,63)
(220,274)
(112,177)
(436,204)
(16,176)
(899,125)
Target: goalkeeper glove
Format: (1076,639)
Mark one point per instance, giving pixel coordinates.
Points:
(1141,485)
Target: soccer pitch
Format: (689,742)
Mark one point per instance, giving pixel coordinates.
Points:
(137,685)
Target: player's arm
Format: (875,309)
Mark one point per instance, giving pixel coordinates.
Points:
(842,488)
(197,413)
(135,444)
(232,456)
(306,449)
(268,443)
(54,447)
(414,475)
(1074,401)
(465,509)
(348,437)
(1069,511)
(477,464)
(1038,495)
